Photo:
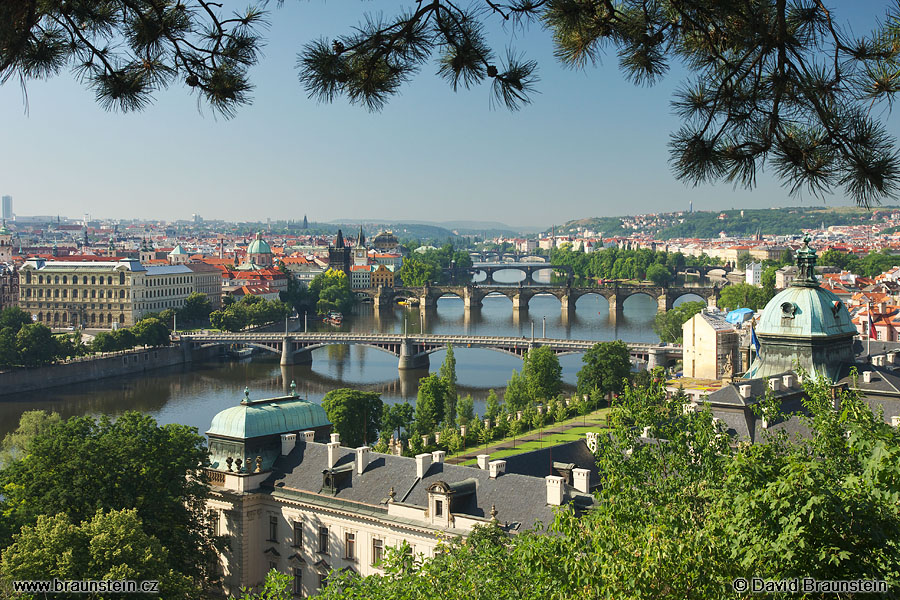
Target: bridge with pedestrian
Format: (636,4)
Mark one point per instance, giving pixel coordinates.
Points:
(413,350)
(473,295)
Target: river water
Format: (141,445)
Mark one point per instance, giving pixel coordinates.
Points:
(193,394)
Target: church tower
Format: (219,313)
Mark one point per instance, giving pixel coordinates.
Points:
(339,254)
(360,254)
(6,247)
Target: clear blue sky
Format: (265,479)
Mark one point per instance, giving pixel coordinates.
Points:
(591,144)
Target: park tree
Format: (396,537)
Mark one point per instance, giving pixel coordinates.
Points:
(448,374)
(398,417)
(333,291)
(35,345)
(111,465)
(667,325)
(775,83)
(31,424)
(151,332)
(430,402)
(415,272)
(9,352)
(517,395)
(492,405)
(466,412)
(14,318)
(196,307)
(356,415)
(111,545)
(606,366)
(743,259)
(743,295)
(542,372)
(659,274)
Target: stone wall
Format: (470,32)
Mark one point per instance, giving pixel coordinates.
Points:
(88,369)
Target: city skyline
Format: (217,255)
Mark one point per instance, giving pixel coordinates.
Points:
(590,144)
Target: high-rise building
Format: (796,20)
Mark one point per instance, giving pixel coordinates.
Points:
(7,207)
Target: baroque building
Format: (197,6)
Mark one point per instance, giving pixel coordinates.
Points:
(287,496)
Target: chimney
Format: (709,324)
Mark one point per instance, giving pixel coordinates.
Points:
(788,381)
(497,468)
(554,490)
(774,384)
(437,456)
(867,376)
(308,436)
(892,358)
(288,441)
(332,453)
(645,432)
(335,438)
(362,459)
(423,461)
(482,460)
(581,479)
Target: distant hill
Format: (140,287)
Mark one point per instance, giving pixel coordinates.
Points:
(735,222)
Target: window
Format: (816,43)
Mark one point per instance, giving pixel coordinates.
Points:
(273,529)
(377,550)
(298,534)
(298,581)
(350,546)
(323,580)
(438,508)
(323,540)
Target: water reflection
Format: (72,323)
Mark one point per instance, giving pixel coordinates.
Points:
(193,394)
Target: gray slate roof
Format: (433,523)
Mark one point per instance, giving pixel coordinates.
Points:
(521,500)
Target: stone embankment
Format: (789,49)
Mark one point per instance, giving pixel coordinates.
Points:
(109,364)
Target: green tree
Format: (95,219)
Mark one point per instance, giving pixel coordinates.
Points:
(542,372)
(742,295)
(197,307)
(355,415)
(9,351)
(448,374)
(743,259)
(36,345)
(492,405)
(659,274)
(334,291)
(110,465)
(466,410)
(151,332)
(667,325)
(397,417)
(517,395)
(15,318)
(415,272)
(31,424)
(277,586)
(606,366)
(111,545)
(430,401)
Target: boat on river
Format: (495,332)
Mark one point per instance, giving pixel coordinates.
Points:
(334,318)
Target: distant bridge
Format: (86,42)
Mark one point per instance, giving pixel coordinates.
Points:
(528,268)
(473,295)
(413,350)
(717,271)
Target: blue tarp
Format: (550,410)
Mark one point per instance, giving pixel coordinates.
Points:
(739,315)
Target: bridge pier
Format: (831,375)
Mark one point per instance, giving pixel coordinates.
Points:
(615,307)
(655,358)
(566,304)
(409,359)
(662,302)
(287,357)
(520,302)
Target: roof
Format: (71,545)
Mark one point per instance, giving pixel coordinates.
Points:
(521,500)
(154,270)
(272,416)
(805,312)
(259,246)
(178,251)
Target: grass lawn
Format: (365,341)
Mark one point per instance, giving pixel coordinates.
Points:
(548,439)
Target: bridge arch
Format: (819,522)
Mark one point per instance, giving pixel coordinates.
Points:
(594,295)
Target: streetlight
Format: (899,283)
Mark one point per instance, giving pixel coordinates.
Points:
(532,332)
(544,327)
(304,322)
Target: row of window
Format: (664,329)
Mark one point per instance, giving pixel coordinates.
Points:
(57,293)
(93,318)
(350,552)
(75,280)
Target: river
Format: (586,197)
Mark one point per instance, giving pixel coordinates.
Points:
(193,394)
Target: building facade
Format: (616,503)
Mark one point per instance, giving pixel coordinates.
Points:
(289,497)
(9,286)
(208,281)
(711,346)
(76,293)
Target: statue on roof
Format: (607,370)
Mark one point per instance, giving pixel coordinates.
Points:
(806,265)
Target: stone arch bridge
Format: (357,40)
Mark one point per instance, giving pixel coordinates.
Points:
(413,350)
(473,295)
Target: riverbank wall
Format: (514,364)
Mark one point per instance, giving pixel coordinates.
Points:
(113,364)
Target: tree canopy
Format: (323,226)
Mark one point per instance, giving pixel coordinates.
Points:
(356,415)
(606,367)
(667,325)
(778,83)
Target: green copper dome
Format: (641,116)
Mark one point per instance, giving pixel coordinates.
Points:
(259,246)
(267,417)
(807,312)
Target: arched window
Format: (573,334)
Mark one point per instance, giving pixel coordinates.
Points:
(65,317)
(65,280)
(28,276)
(56,280)
(65,293)
(93,318)
(121,293)
(55,293)
(40,293)
(75,293)
(40,279)
(93,293)
(28,293)
(74,279)
(56,317)
(109,280)
(93,281)
(40,317)
(121,278)
(109,319)
(100,294)
(121,319)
